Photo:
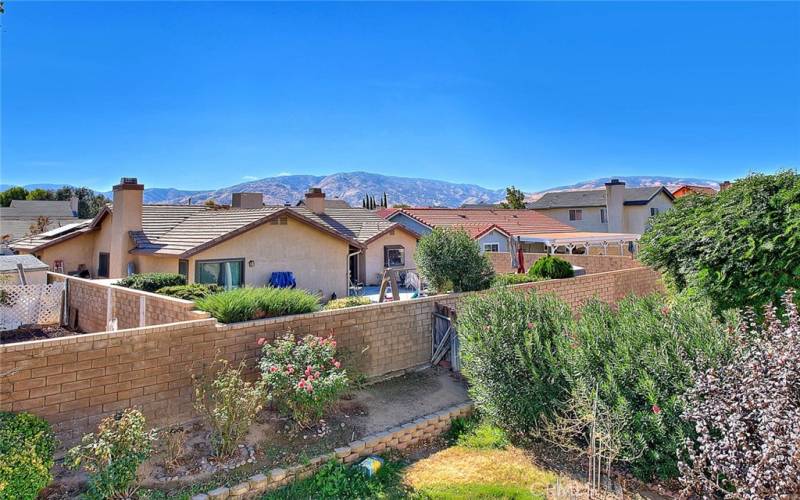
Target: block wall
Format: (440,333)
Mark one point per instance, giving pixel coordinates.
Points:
(591,263)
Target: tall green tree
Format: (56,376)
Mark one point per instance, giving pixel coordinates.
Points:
(40,194)
(449,258)
(12,193)
(89,202)
(515,198)
(739,248)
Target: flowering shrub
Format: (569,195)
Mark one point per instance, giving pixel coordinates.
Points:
(229,405)
(303,378)
(747,414)
(636,361)
(26,455)
(512,347)
(113,455)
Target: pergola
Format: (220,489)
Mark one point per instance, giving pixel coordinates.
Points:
(579,239)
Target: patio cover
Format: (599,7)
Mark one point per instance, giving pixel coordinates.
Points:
(553,241)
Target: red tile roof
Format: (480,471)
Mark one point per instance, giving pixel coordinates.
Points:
(478,221)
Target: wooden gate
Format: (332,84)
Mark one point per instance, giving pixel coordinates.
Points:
(444,339)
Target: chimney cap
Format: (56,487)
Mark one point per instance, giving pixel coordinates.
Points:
(315,192)
(614,182)
(129,183)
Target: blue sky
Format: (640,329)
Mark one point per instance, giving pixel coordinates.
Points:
(201,95)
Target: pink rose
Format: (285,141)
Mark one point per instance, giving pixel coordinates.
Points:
(308,370)
(273,369)
(309,388)
(531,326)
(656,409)
(316,374)
(336,364)
(262,341)
(301,384)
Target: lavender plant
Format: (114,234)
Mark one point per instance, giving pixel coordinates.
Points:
(747,414)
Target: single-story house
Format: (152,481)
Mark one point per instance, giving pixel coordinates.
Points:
(615,209)
(325,248)
(25,217)
(492,228)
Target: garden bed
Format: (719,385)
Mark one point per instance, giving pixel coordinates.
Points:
(35,332)
(274,442)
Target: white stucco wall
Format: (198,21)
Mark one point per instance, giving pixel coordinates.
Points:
(590,222)
(636,216)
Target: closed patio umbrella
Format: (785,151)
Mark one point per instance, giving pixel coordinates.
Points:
(521,259)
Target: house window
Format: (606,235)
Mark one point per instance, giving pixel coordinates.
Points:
(183,268)
(653,211)
(227,273)
(491,247)
(394,256)
(102,265)
(603,216)
(575,214)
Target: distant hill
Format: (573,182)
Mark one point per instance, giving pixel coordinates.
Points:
(349,186)
(631,181)
(352,186)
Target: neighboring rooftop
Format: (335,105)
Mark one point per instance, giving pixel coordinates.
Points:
(186,229)
(595,198)
(8,263)
(17,219)
(478,221)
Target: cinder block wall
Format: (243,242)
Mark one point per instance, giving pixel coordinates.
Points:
(591,263)
(76,381)
(90,301)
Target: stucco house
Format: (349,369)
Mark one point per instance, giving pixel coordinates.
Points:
(615,209)
(325,248)
(492,228)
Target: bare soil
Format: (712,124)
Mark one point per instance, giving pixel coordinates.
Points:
(34,332)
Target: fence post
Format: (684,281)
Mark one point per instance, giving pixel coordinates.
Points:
(142,305)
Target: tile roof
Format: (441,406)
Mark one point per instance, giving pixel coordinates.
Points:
(35,208)
(478,221)
(187,229)
(595,198)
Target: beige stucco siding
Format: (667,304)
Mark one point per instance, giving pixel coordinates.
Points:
(102,243)
(636,216)
(74,252)
(374,253)
(317,259)
(590,222)
(154,264)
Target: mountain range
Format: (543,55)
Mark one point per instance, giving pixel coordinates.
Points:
(353,186)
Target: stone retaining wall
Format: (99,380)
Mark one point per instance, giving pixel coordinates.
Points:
(396,438)
(591,263)
(76,381)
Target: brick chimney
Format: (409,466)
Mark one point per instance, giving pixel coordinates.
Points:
(615,199)
(315,200)
(247,200)
(126,217)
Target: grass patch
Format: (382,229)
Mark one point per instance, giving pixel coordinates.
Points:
(464,473)
(484,436)
(244,304)
(347,302)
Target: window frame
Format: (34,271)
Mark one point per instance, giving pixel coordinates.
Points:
(100,256)
(198,263)
(603,216)
(183,268)
(575,214)
(494,245)
(654,211)
(386,249)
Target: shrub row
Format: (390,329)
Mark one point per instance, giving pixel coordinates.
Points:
(533,368)
(192,292)
(151,282)
(244,304)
